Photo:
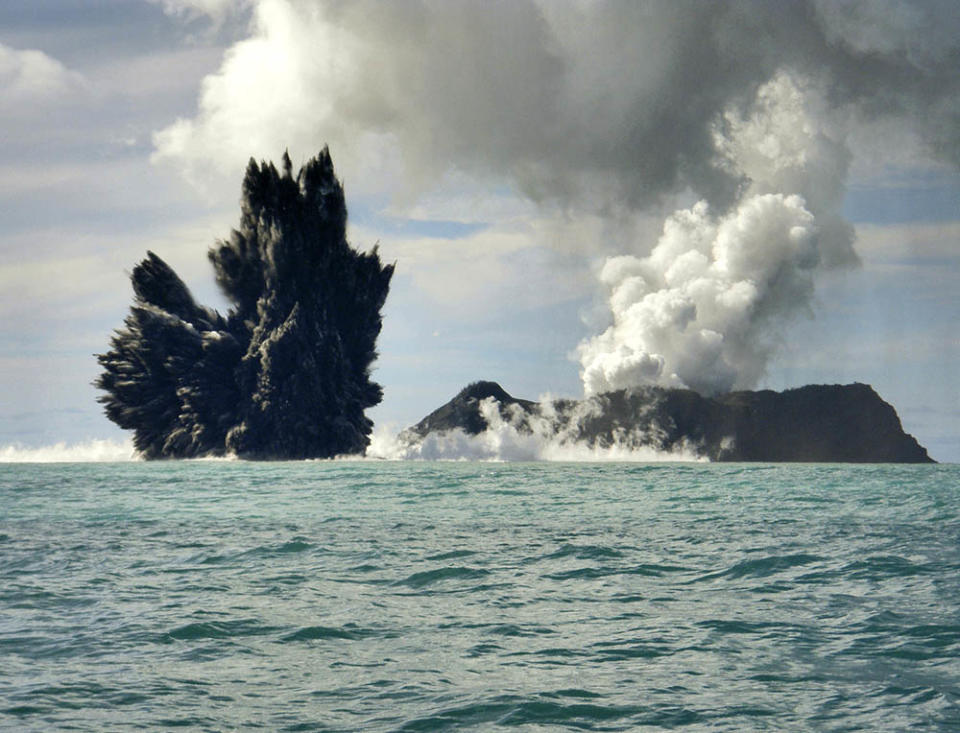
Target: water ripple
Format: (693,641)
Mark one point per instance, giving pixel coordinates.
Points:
(384,597)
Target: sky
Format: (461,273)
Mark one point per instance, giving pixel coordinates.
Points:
(578,195)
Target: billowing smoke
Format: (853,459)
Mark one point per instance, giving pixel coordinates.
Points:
(286,373)
(706,308)
(599,104)
(751,107)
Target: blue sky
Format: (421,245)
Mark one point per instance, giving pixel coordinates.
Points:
(498,153)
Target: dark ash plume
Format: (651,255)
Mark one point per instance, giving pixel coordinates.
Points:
(286,374)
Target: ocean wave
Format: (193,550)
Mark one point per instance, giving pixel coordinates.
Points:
(501,442)
(505,440)
(603,598)
(90,451)
(217,630)
(429,577)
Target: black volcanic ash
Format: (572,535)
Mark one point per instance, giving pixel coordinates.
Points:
(286,373)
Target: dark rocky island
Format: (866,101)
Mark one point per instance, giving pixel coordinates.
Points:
(286,372)
(816,423)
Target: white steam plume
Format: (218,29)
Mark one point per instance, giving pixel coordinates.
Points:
(706,308)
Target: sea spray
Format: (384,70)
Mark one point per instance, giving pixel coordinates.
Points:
(95,450)
(815,423)
(511,434)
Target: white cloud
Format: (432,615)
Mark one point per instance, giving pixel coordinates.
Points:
(506,268)
(48,294)
(32,77)
(917,244)
(215,9)
(156,76)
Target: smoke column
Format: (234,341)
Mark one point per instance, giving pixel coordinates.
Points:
(286,373)
(706,308)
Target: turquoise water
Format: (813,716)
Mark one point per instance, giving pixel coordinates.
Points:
(380,596)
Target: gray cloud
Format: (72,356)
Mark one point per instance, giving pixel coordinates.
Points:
(610,108)
(215,9)
(29,76)
(592,104)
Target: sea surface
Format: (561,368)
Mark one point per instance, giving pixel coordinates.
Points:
(392,596)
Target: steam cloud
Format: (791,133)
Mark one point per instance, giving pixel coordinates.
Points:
(751,106)
(705,308)
(286,374)
(595,104)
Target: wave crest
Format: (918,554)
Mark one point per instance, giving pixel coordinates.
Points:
(512,436)
(90,451)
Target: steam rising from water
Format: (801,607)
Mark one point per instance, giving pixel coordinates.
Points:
(512,435)
(705,310)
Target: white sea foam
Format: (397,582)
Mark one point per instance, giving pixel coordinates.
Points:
(512,436)
(506,438)
(85,452)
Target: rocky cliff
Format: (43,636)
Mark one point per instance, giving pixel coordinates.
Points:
(816,423)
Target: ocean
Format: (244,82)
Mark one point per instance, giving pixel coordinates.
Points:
(419,596)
